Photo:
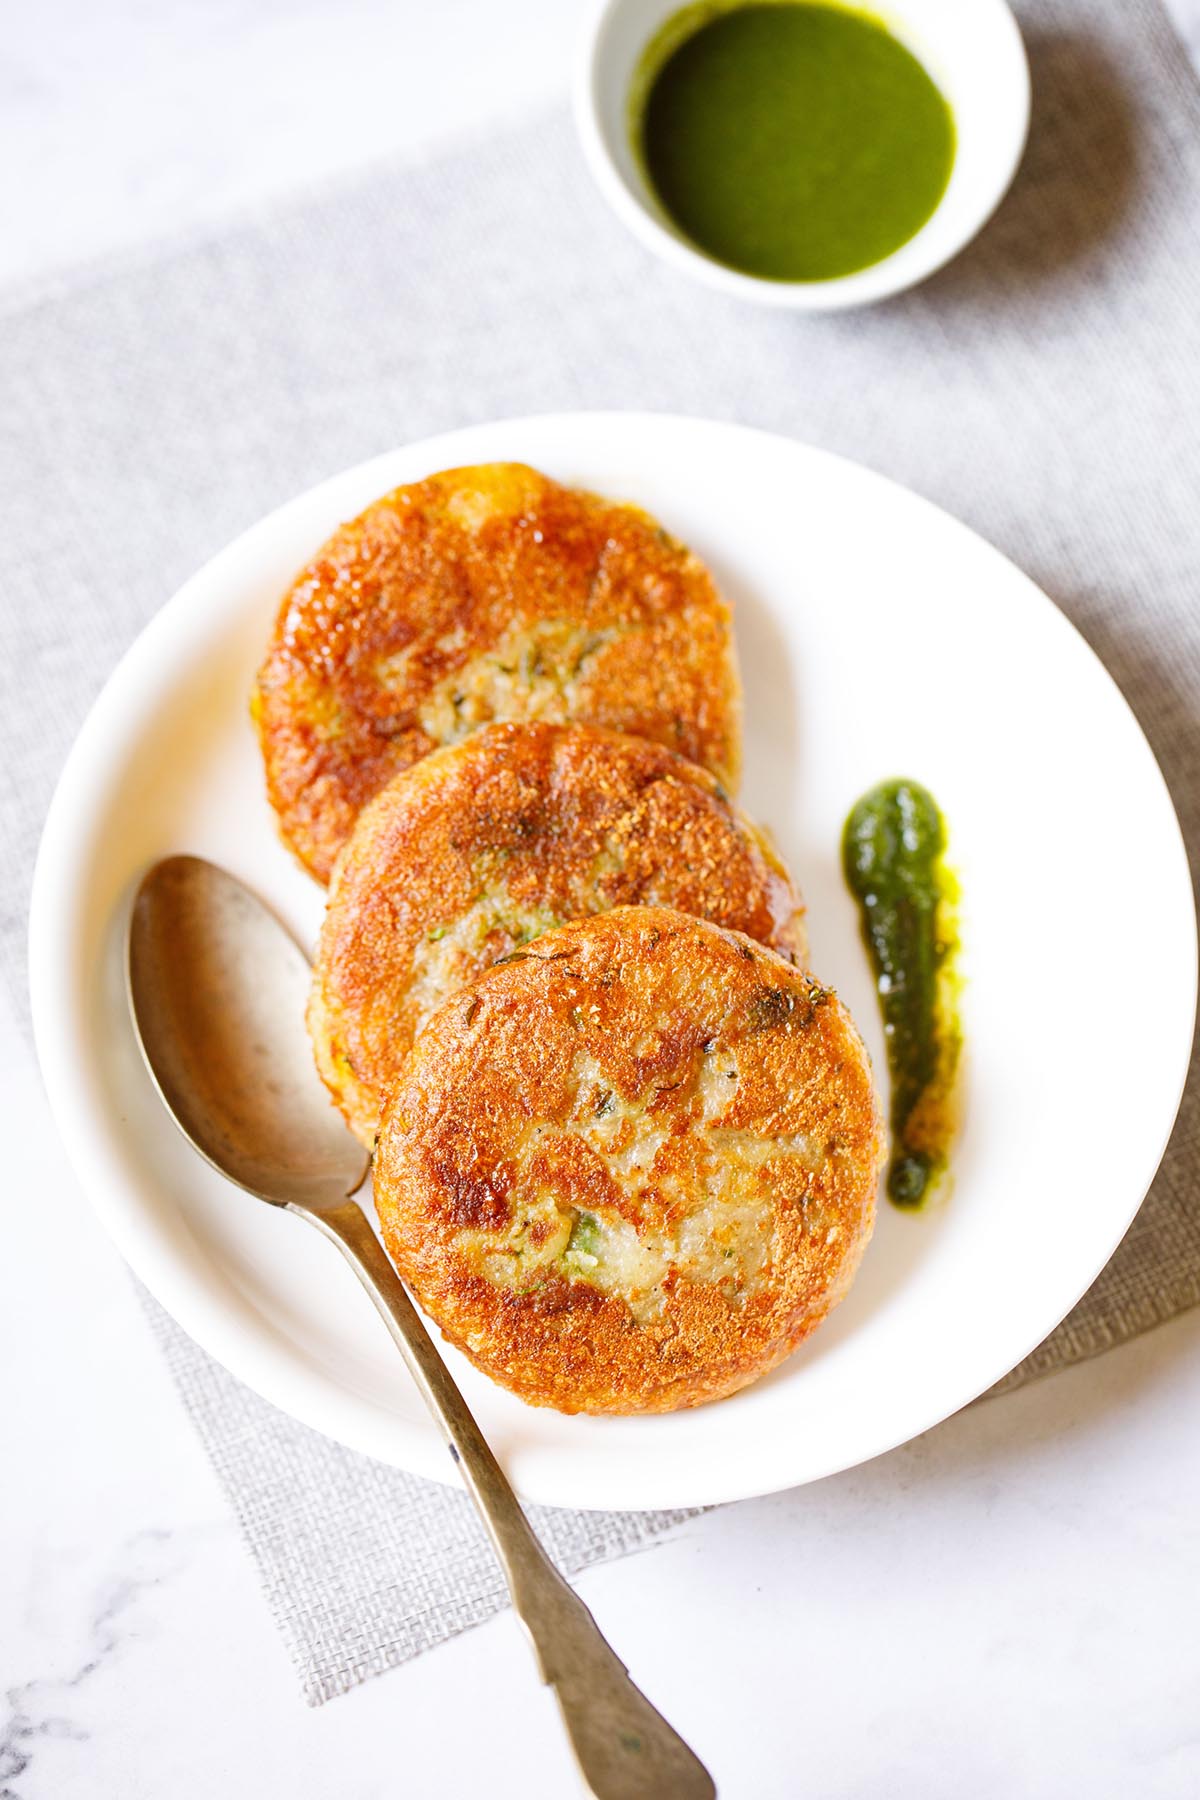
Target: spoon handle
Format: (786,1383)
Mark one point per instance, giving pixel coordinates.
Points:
(625,1749)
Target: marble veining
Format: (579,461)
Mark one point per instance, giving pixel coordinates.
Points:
(45,1709)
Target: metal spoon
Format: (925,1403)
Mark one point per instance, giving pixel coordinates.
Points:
(217,989)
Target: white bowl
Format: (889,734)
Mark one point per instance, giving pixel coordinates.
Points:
(971,48)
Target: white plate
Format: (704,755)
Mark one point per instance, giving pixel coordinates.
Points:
(877,637)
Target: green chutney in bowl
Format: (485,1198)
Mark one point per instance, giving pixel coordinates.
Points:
(791,140)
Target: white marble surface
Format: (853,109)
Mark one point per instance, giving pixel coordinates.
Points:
(1005,1607)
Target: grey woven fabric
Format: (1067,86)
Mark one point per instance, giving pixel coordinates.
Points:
(1046,388)
(364,1566)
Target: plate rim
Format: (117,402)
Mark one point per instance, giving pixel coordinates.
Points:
(267,1369)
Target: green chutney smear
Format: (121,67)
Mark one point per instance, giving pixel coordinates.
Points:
(892,854)
(790,139)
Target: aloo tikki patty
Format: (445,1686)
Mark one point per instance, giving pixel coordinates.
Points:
(633,1167)
(479,848)
(480,594)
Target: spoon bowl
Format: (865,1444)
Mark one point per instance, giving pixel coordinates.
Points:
(218,988)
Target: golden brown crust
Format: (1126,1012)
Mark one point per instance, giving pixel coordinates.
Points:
(479,594)
(631,1169)
(480,847)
